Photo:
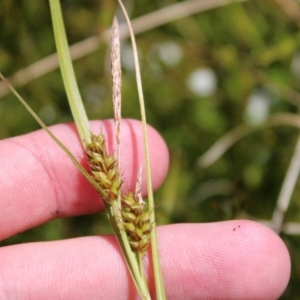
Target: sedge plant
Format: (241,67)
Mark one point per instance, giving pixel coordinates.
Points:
(132,219)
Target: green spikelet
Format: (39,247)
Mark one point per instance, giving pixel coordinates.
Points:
(136,222)
(103,168)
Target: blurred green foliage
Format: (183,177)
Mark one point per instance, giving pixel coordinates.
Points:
(251,47)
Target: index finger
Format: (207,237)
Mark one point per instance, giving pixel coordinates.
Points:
(40,183)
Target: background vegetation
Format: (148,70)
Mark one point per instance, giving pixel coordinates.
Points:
(245,60)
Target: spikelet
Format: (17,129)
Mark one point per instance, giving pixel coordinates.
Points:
(135,219)
(103,168)
(136,223)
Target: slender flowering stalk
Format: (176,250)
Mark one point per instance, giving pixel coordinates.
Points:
(159,284)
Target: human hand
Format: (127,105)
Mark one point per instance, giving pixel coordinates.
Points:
(199,261)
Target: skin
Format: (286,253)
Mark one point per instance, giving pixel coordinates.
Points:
(237,259)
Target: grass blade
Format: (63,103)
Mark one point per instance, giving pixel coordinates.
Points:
(68,74)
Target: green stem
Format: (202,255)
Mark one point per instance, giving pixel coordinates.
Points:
(83,128)
(159,284)
(68,74)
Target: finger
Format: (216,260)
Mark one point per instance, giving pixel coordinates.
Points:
(207,261)
(39,182)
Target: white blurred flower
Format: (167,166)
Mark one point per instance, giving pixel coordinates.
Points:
(258,108)
(202,82)
(170,53)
